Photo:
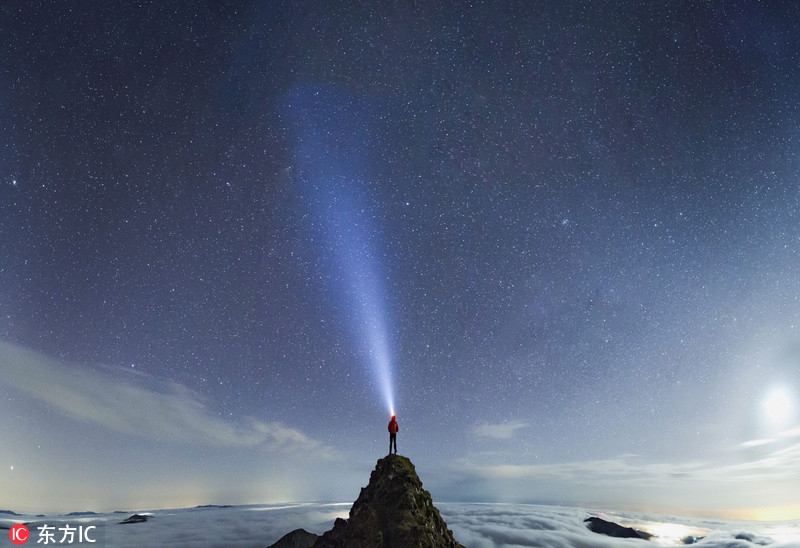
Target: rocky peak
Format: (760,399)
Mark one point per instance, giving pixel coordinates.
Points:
(392,511)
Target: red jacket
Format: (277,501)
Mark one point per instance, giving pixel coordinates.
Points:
(393,427)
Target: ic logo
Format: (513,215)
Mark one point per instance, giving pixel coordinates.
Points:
(19,534)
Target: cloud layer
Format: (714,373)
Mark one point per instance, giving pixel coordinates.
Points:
(119,401)
(502,431)
(473,525)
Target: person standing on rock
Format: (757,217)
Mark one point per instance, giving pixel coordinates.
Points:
(393,428)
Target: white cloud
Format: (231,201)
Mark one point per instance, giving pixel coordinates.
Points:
(791,433)
(757,443)
(502,431)
(120,402)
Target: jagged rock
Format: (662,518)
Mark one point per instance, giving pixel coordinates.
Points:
(393,511)
(299,538)
(612,529)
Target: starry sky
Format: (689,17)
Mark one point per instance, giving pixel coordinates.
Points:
(560,241)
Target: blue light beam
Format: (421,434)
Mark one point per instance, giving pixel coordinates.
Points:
(331,138)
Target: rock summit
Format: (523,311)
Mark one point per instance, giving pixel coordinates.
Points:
(393,511)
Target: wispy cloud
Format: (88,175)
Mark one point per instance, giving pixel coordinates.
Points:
(781,436)
(503,431)
(752,478)
(619,469)
(118,400)
(791,433)
(782,463)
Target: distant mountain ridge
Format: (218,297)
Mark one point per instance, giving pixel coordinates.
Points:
(392,511)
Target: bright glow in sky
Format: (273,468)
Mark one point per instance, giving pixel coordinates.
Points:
(779,406)
(563,239)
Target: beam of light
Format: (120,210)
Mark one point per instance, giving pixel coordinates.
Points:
(349,240)
(331,154)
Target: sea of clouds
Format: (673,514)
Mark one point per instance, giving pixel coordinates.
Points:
(474,525)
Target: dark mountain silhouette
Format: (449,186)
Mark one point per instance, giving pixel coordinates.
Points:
(135,518)
(393,511)
(299,538)
(612,529)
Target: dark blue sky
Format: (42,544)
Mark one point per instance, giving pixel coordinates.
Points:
(569,233)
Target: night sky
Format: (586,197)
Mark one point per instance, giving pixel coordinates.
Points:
(560,240)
